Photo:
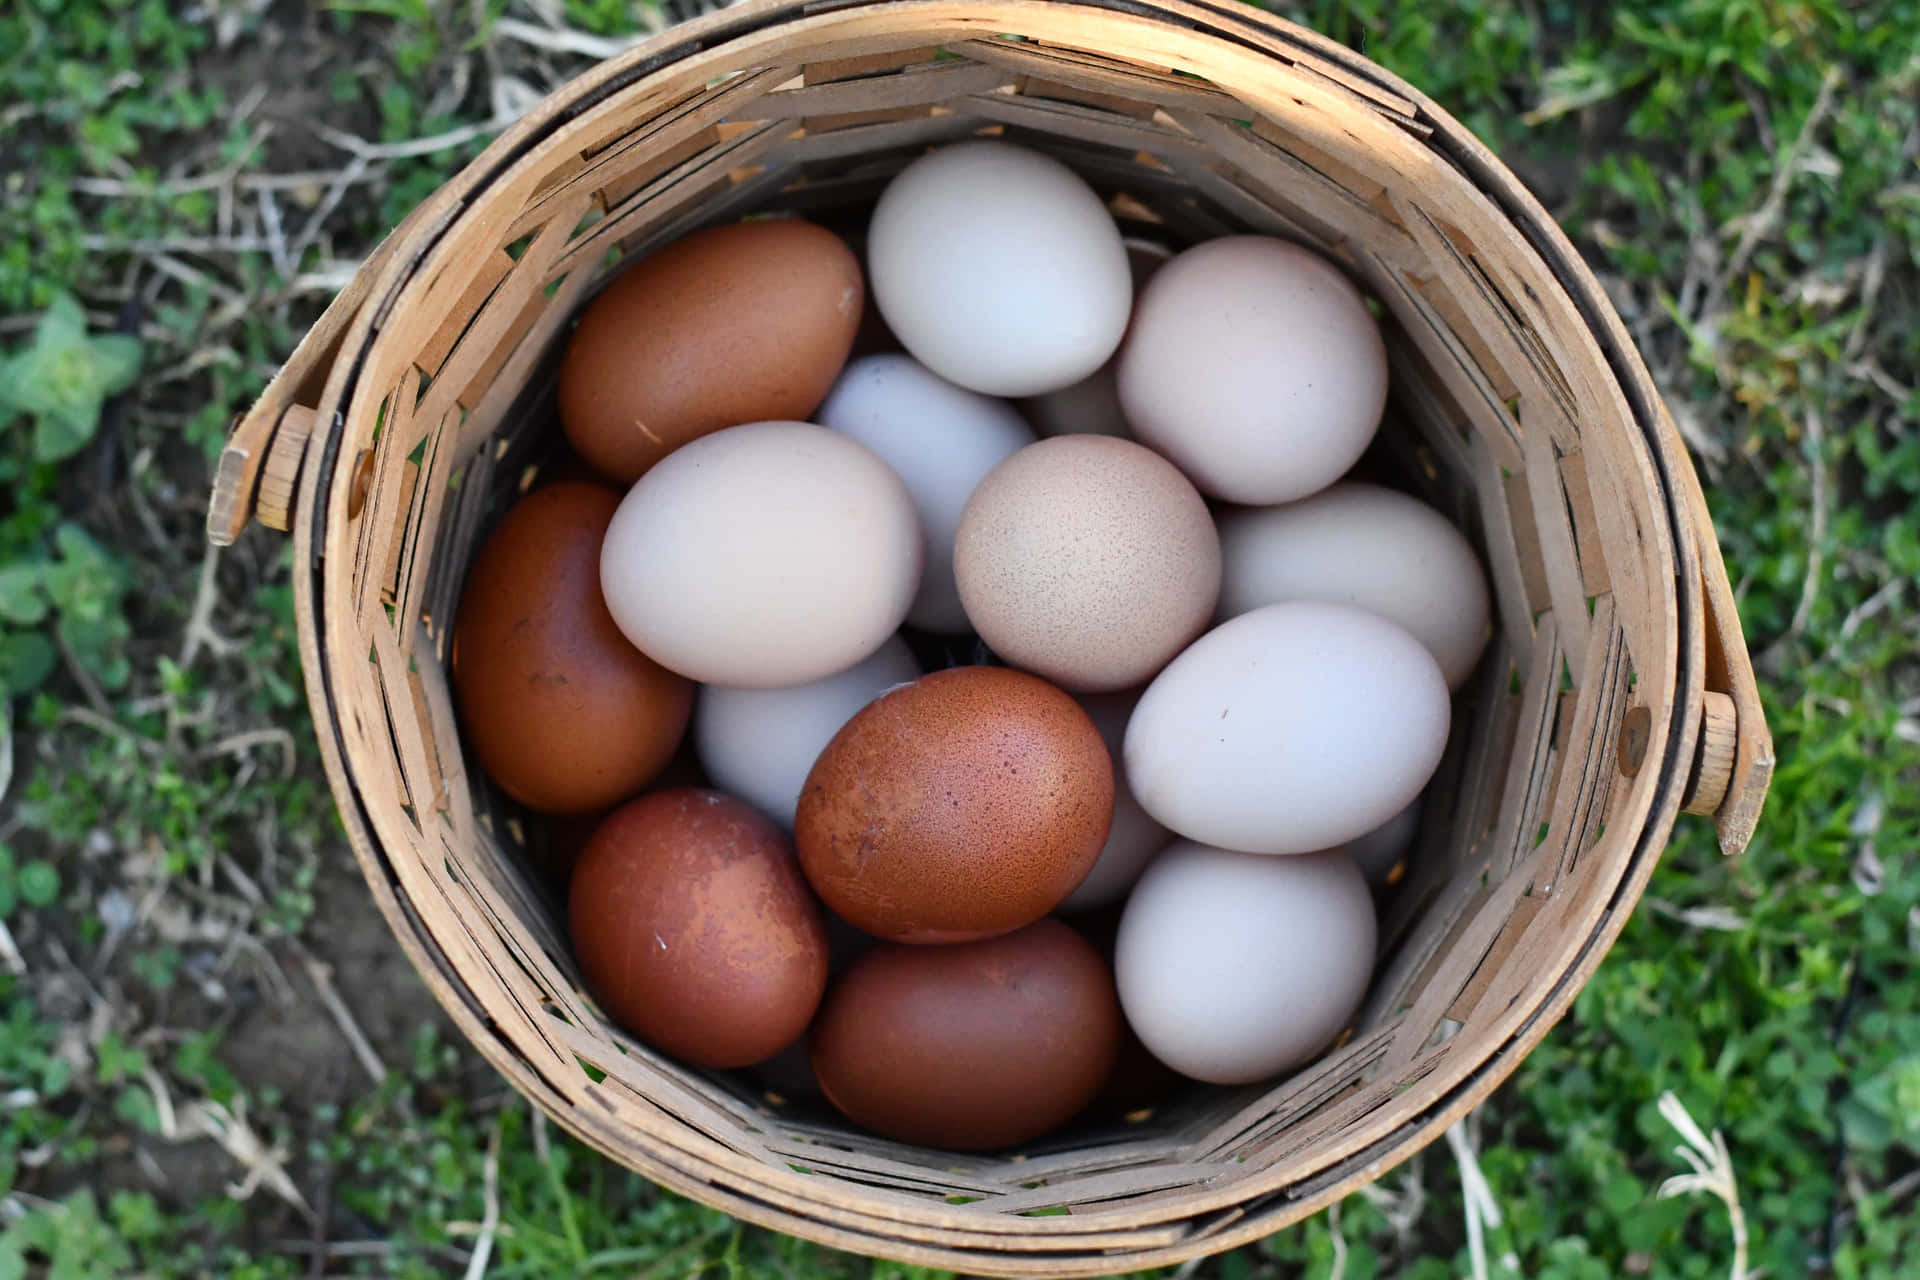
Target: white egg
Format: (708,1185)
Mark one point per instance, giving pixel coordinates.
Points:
(1363,545)
(1233,967)
(760,744)
(942,440)
(999,268)
(762,556)
(1290,729)
(1255,366)
(1379,851)
(1135,837)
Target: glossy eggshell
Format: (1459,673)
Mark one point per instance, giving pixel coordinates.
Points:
(970,1047)
(557,705)
(695,929)
(965,804)
(734,324)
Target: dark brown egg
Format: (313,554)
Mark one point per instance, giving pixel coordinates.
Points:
(695,929)
(970,1047)
(963,805)
(559,707)
(743,323)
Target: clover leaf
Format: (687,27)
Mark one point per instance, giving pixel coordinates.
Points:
(64,377)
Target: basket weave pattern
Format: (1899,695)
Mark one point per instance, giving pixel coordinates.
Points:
(1517,404)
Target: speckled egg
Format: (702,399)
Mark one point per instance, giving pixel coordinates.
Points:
(970,1047)
(1088,560)
(695,929)
(963,805)
(557,705)
(740,323)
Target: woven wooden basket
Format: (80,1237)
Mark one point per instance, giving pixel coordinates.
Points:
(1617,693)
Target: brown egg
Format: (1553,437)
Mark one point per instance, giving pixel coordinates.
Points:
(695,929)
(962,805)
(743,323)
(969,1047)
(559,707)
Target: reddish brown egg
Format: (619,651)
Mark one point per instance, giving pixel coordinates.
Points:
(742,323)
(695,929)
(559,707)
(963,805)
(970,1047)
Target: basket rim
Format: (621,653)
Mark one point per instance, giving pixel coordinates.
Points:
(879,1229)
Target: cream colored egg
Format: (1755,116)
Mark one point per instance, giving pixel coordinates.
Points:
(1290,729)
(1233,967)
(762,556)
(1254,364)
(1087,560)
(758,744)
(1363,545)
(1135,837)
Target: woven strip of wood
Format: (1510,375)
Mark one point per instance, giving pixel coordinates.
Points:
(1516,402)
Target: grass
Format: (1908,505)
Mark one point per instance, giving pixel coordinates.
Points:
(1741,172)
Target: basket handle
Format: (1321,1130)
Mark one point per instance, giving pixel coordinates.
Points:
(259,467)
(1733,761)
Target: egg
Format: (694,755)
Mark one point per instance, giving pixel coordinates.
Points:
(1091,406)
(1290,729)
(1363,545)
(963,805)
(759,744)
(999,268)
(1134,837)
(1088,560)
(741,323)
(1380,850)
(1233,968)
(942,440)
(695,929)
(1255,365)
(764,555)
(558,707)
(971,1047)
